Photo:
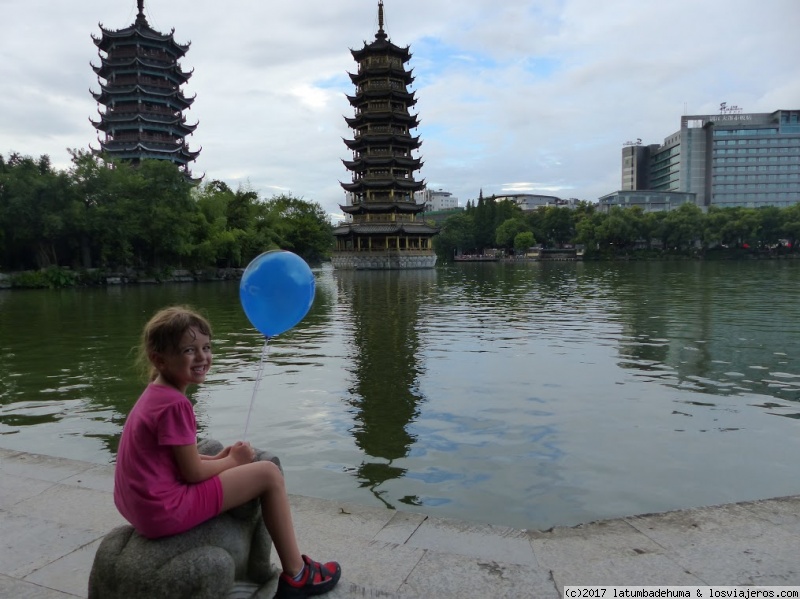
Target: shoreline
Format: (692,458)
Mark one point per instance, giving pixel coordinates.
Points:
(54,512)
(55,277)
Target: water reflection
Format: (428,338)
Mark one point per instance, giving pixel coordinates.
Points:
(693,326)
(560,392)
(386,367)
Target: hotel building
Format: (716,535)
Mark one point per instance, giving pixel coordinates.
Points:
(725,160)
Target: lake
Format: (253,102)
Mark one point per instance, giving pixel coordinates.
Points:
(528,395)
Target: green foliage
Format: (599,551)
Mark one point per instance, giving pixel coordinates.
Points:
(304,227)
(47,278)
(113,216)
(790,227)
(31,279)
(684,226)
(61,227)
(506,233)
(559,225)
(485,225)
(457,235)
(620,231)
(523,241)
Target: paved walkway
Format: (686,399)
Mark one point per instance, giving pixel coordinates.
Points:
(54,512)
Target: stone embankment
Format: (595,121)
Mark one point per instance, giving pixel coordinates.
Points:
(54,513)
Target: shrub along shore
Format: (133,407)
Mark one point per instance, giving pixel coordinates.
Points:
(59,278)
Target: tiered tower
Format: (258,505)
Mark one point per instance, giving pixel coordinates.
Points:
(143,101)
(383,230)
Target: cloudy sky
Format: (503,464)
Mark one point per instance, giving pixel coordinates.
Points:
(513,95)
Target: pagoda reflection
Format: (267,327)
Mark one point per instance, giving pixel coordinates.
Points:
(386,368)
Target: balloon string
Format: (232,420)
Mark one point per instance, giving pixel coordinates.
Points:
(255,389)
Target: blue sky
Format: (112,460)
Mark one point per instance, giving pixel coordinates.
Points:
(519,95)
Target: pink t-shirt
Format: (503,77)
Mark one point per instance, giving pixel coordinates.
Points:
(148,489)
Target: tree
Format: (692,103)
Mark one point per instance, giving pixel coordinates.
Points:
(505,210)
(484,216)
(791,226)
(559,224)
(303,227)
(102,232)
(456,236)
(740,227)
(507,232)
(716,219)
(586,230)
(770,225)
(160,211)
(228,233)
(34,212)
(684,226)
(523,241)
(536,224)
(618,229)
(652,227)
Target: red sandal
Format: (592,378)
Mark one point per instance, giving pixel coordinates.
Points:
(317,579)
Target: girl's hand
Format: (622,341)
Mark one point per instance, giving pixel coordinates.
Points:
(242,453)
(221,455)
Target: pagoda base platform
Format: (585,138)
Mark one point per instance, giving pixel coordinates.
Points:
(383,260)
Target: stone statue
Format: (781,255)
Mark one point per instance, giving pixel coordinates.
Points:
(227,556)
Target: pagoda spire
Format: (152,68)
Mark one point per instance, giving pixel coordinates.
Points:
(381,35)
(140,18)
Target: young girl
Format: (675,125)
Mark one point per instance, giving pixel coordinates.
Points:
(163,486)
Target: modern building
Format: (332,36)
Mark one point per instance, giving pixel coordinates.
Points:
(385,229)
(531,201)
(728,159)
(647,200)
(436,200)
(140,88)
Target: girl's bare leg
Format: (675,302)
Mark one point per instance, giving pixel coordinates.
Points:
(265,480)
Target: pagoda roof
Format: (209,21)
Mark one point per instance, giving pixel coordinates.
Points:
(388,183)
(381,71)
(115,89)
(364,162)
(181,128)
(137,148)
(381,47)
(382,94)
(154,118)
(382,43)
(366,74)
(108,92)
(409,120)
(383,207)
(115,65)
(139,29)
(384,229)
(400,141)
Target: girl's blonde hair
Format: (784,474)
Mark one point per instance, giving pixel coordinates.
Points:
(163,333)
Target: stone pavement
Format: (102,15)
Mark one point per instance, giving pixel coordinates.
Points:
(54,512)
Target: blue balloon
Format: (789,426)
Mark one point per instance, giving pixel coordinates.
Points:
(276,291)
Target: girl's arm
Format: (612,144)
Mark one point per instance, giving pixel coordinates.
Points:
(195,469)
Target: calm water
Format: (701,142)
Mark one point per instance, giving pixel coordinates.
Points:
(529,395)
